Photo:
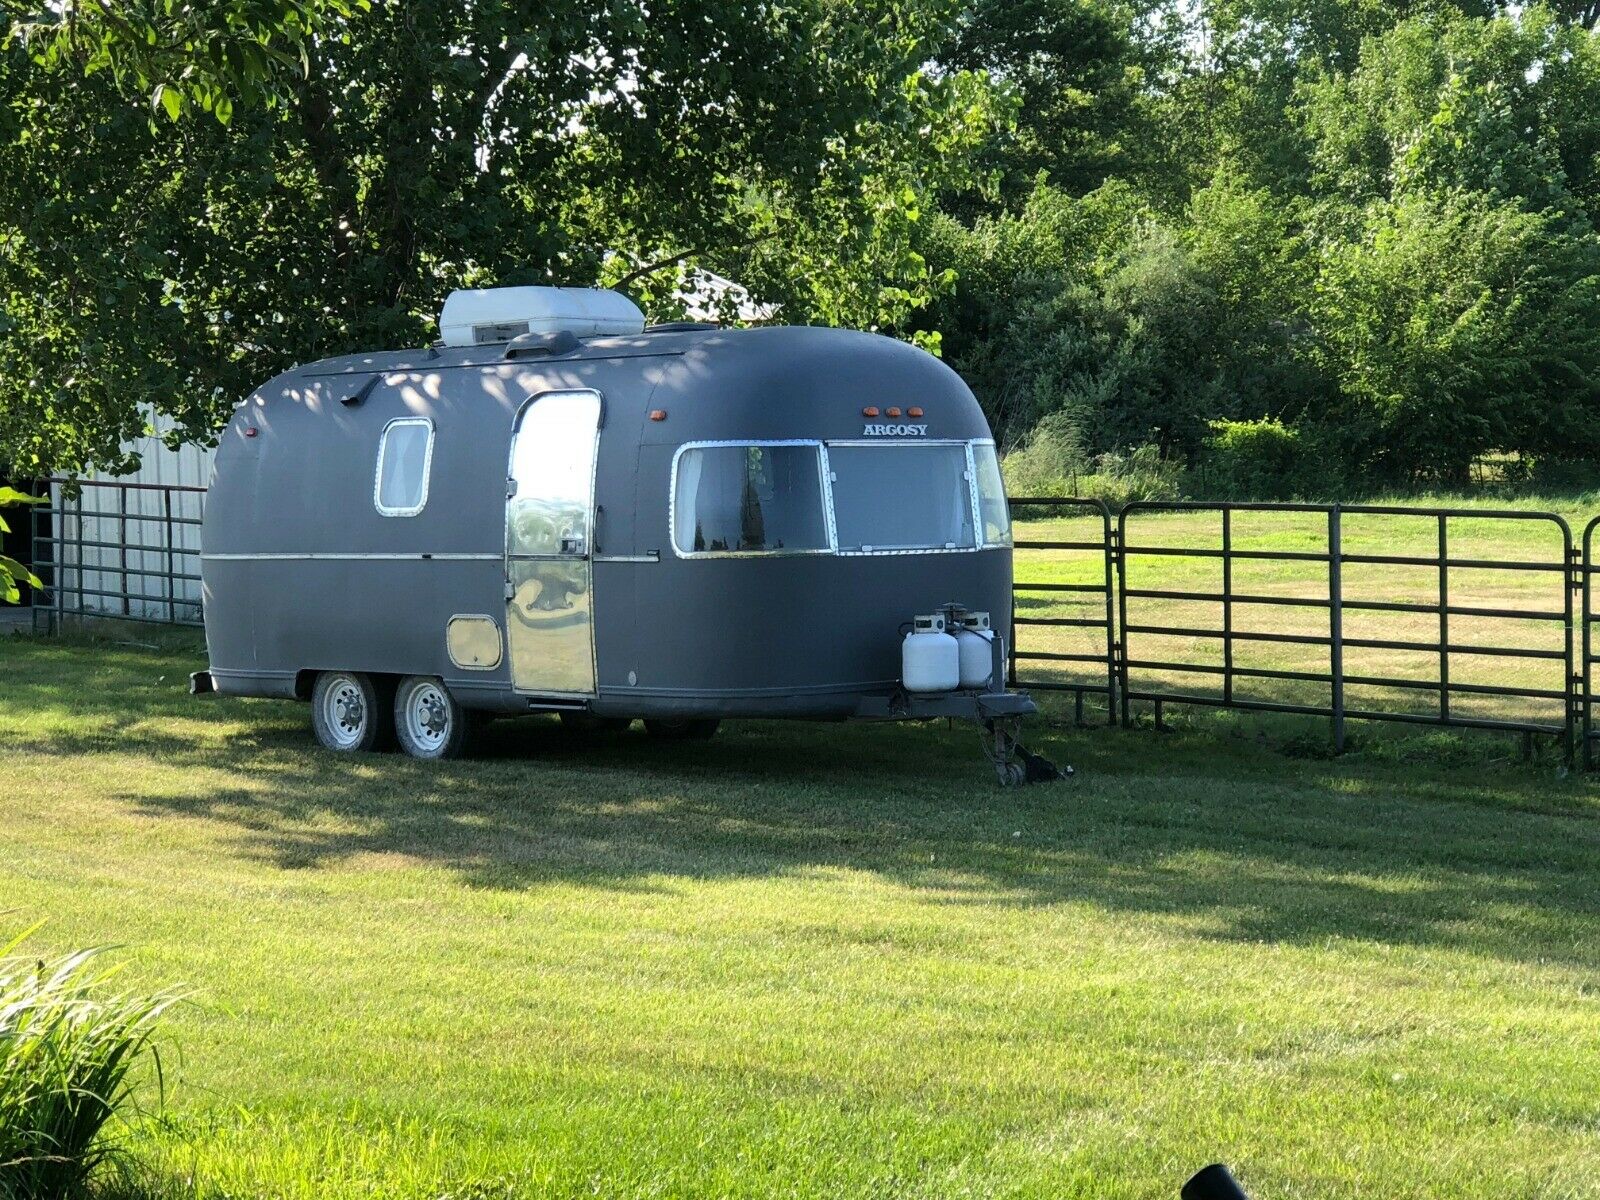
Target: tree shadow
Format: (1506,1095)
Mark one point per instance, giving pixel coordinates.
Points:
(1241,846)
(1226,836)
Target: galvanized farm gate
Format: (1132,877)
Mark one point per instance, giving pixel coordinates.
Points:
(1124,672)
(109,548)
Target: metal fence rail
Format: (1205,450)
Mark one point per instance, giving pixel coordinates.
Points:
(1104,660)
(1583,676)
(105,548)
(1323,565)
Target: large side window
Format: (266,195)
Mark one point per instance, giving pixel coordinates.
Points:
(901,497)
(993,511)
(405,454)
(758,498)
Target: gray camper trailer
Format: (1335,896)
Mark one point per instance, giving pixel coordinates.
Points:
(557,509)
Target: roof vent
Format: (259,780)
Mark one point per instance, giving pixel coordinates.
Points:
(494,315)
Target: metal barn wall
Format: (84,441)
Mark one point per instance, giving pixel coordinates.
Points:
(110,567)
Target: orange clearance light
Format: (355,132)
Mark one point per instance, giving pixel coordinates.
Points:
(658,414)
(869,412)
(913,412)
(894,412)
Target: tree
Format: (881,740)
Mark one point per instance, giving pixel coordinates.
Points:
(183,56)
(1075,71)
(1458,325)
(433,145)
(1506,107)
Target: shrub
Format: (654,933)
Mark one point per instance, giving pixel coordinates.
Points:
(68,1045)
(1052,463)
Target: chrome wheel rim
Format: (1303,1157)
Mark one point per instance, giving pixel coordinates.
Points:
(427,716)
(344,712)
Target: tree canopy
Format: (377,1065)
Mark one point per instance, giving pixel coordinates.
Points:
(1366,232)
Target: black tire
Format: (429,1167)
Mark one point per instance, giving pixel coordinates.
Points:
(584,723)
(351,713)
(682,729)
(428,721)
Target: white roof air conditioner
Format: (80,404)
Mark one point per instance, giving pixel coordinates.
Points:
(477,317)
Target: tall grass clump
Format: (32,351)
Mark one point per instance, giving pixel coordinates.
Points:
(68,1048)
(1052,462)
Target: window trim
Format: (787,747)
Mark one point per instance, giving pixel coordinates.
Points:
(823,491)
(970,474)
(427,469)
(977,496)
(825,467)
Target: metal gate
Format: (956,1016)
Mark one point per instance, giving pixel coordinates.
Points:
(130,551)
(1416,620)
(1085,602)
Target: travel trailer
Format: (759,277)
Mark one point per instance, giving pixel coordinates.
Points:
(556,509)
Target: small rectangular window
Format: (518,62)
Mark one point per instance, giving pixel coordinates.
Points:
(749,499)
(993,510)
(901,497)
(405,456)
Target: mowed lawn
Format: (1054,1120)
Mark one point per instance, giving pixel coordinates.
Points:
(814,961)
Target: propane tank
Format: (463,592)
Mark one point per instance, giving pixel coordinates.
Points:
(930,659)
(975,643)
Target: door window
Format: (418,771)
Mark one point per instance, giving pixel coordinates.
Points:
(552,475)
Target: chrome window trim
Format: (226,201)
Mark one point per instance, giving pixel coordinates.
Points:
(977,496)
(750,443)
(825,466)
(427,468)
(972,500)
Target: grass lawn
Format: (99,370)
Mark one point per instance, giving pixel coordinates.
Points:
(817,961)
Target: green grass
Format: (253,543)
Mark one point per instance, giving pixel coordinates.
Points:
(817,961)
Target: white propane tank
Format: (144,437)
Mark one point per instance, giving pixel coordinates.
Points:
(930,659)
(977,656)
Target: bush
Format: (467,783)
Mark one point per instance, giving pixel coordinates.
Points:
(1052,463)
(67,1048)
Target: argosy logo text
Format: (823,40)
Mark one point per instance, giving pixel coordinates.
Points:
(894,431)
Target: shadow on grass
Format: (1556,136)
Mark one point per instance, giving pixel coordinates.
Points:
(1238,842)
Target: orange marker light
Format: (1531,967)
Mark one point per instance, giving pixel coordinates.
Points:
(894,412)
(913,412)
(658,414)
(869,412)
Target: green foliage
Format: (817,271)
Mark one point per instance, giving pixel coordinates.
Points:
(1374,224)
(1265,460)
(1052,463)
(69,1047)
(1458,326)
(11,571)
(429,146)
(185,56)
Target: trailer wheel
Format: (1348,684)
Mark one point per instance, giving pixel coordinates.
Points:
(681,729)
(350,712)
(428,720)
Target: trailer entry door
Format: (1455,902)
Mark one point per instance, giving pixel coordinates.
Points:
(549,532)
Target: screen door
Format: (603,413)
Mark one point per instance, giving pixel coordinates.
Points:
(549,527)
